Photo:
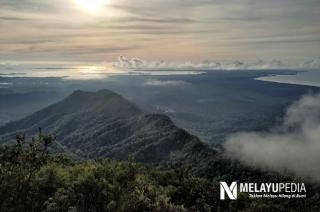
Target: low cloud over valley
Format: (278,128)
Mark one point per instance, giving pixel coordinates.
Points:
(293,146)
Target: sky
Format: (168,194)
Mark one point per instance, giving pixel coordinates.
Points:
(170,30)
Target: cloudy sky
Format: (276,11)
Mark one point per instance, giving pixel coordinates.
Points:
(173,30)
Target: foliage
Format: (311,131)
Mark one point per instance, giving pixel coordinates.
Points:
(31,179)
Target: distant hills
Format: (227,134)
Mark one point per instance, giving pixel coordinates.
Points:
(102,124)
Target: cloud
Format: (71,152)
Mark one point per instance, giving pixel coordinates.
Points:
(312,64)
(165,83)
(140,64)
(291,147)
(124,62)
(169,29)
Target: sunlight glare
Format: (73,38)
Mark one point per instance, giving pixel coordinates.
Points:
(91,5)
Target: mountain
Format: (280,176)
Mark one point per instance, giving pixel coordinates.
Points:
(104,124)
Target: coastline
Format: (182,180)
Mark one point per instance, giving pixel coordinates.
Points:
(306,78)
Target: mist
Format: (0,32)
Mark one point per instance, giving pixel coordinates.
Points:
(293,146)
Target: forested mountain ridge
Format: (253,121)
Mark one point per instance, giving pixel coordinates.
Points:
(93,125)
(104,124)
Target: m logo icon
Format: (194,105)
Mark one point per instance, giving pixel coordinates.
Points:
(231,190)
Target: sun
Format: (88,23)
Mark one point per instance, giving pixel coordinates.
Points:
(91,5)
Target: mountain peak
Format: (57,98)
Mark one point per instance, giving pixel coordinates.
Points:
(104,102)
(86,95)
(99,92)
